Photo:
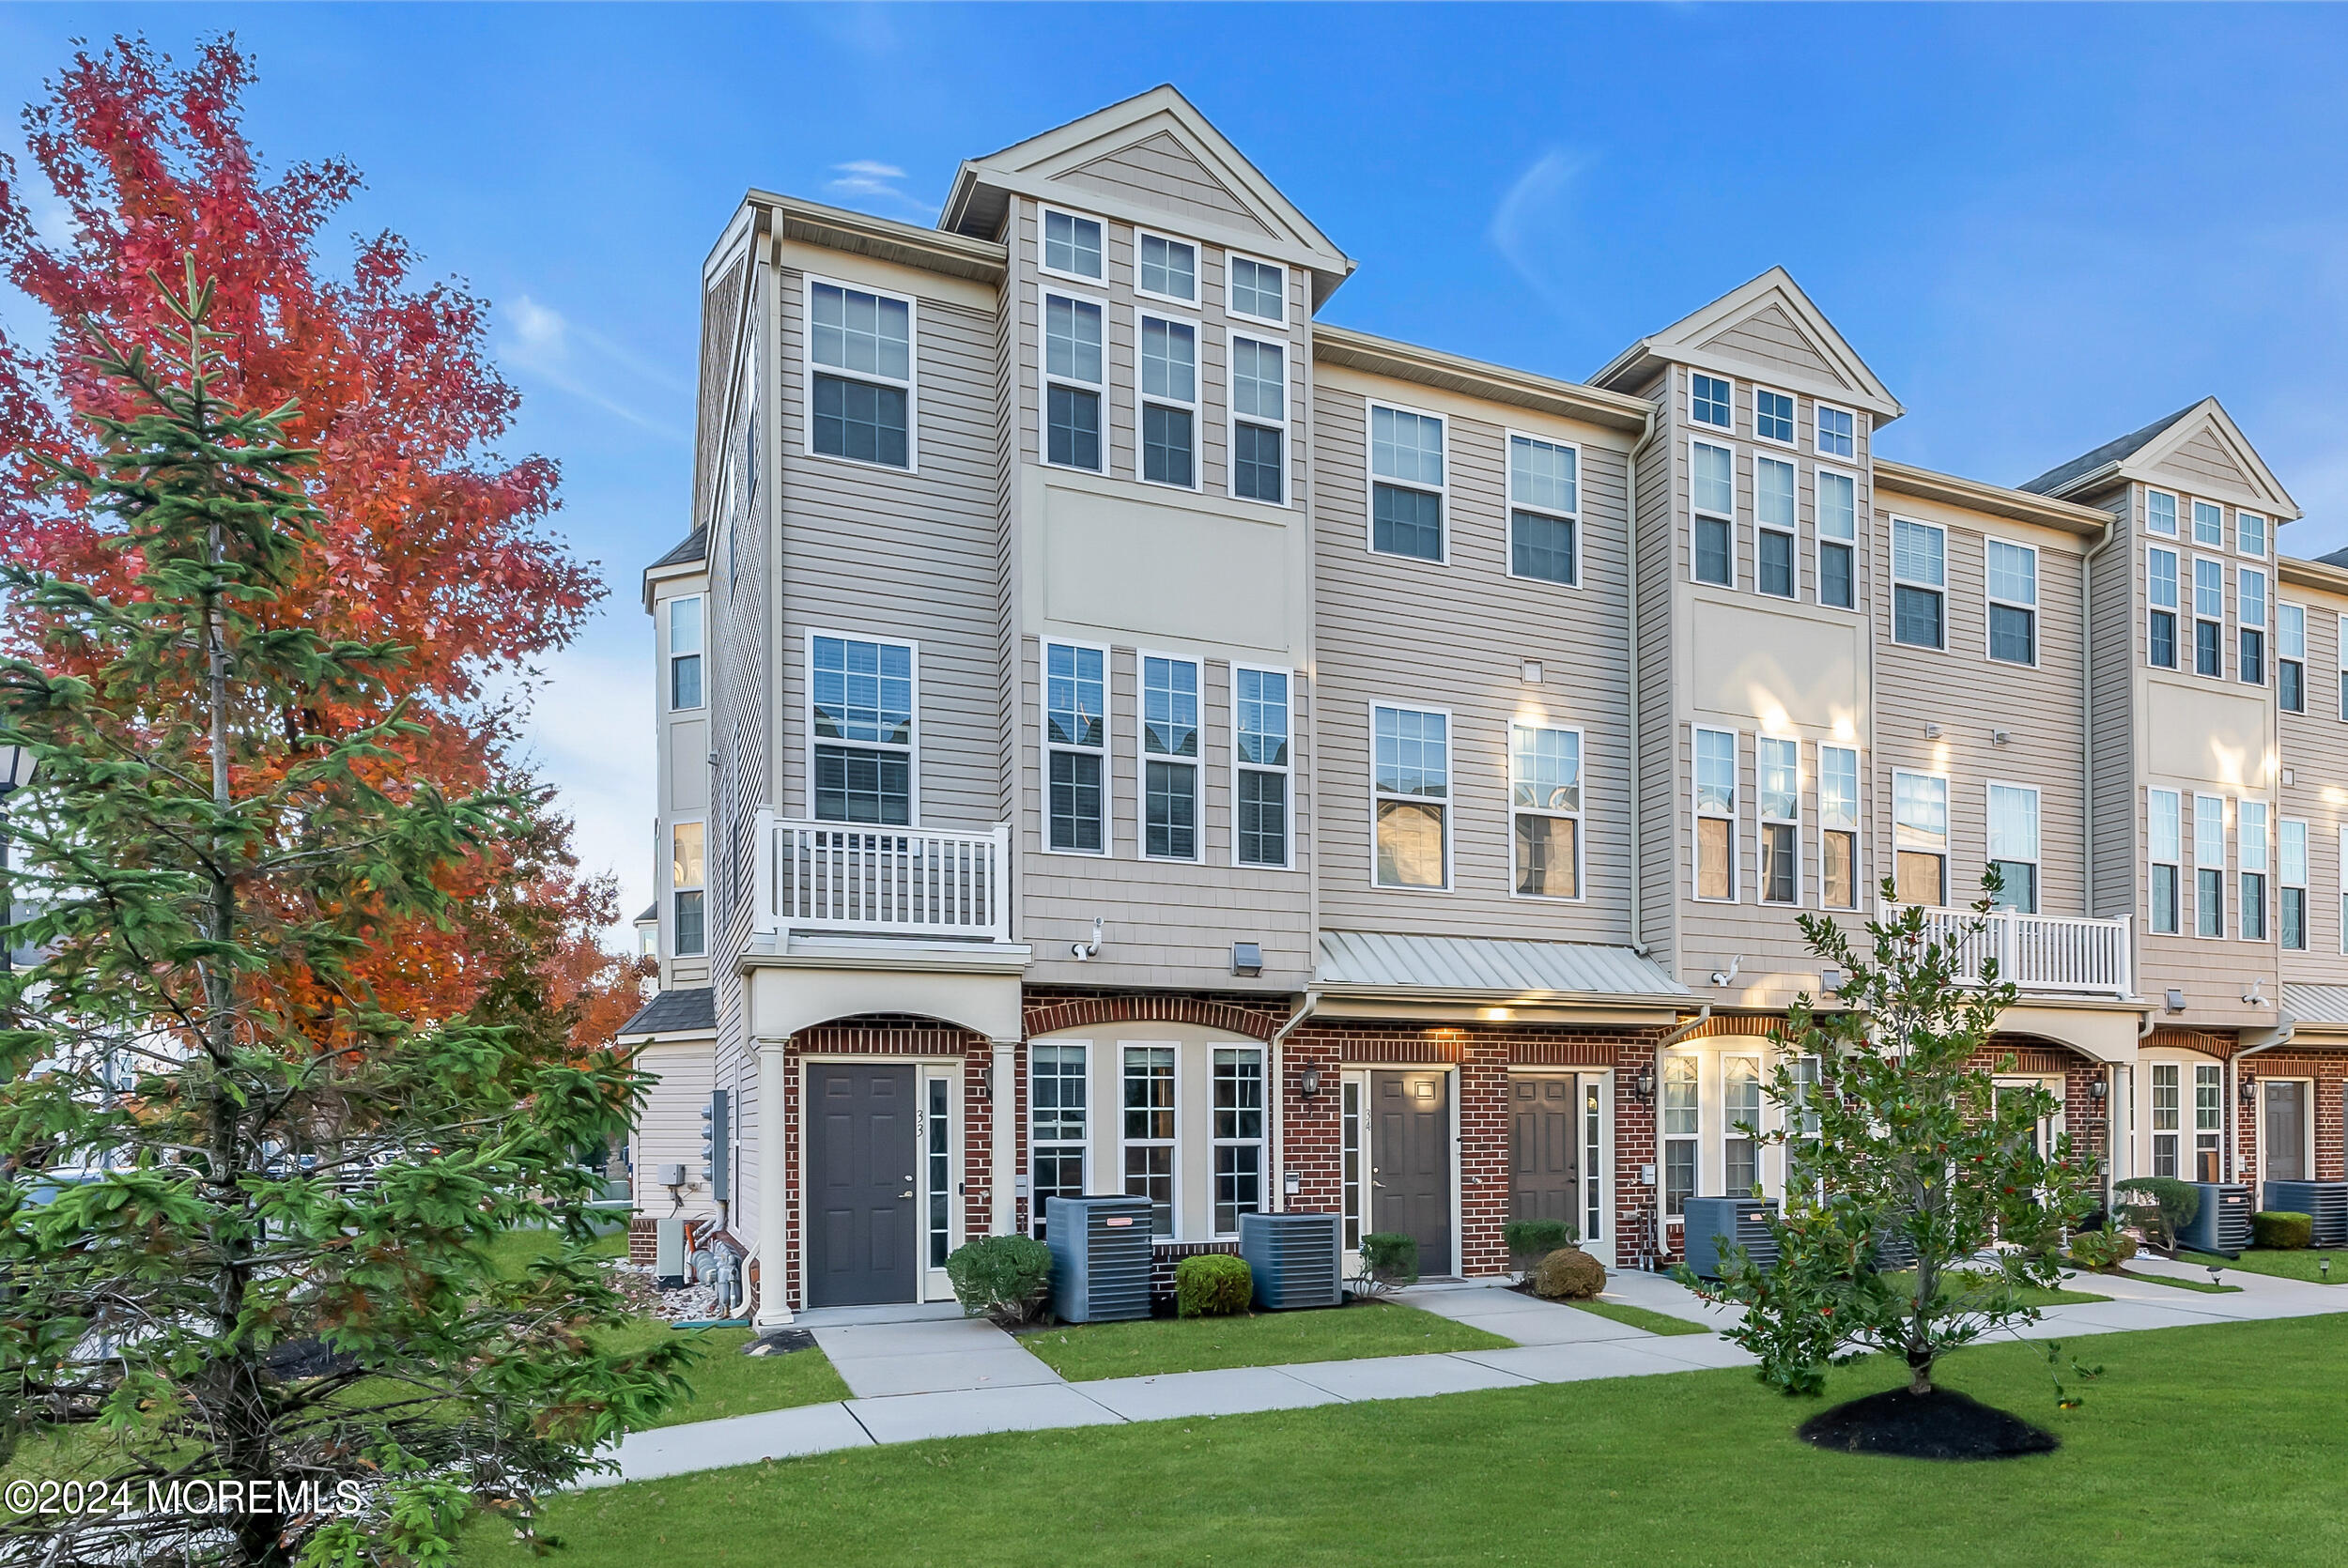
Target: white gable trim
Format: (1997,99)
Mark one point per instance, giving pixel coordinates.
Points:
(2265,493)
(1688,342)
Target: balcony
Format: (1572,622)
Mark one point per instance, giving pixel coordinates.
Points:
(2042,954)
(853,879)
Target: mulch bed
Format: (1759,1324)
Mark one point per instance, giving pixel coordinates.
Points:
(1942,1424)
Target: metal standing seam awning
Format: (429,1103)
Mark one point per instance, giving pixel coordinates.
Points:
(1488,971)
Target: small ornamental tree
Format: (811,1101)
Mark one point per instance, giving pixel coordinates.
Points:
(1920,1204)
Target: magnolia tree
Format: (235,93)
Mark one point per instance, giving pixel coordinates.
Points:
(1921,1199)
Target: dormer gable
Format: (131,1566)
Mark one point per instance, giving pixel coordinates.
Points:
(1768,331)
(2199,449)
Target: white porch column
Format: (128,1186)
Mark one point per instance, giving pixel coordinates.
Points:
(1003,1129)
(774,1205)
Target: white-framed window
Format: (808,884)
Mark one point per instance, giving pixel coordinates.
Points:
(1740,1125)
(2290,657)
(1772,417)
(1837,505)
(2341,644)
(1683,1128)
(2249,614)
(1712,512)
(2343,910)
(1168,376)
(1919,581)
(686,647)
(1072,245)
(1715,781)
(688,869)
(2160,513)
(1166,268)
(1711,401)
(2012,571)
(2209,866)
(2291,874)
(1544,510)
(862,696)
(2167,1108)
(1238,1134)
(1075,748)
(1351,1160)
(1545,805)
(2250,533)
(1056,1124)
(1777,798)
(1838,430)
(1407,488)
(1260,757)
(1411,796)
(1260,420)
(2160,597)
(2251,853)
(1169,757)
(1920,837)
(2163,851)
(2209,1120)
(2014,844)
(2209,617)
(1774,547)
(1075,381)
(1839,875)
(1147,1129)
(1258,291)
(2209,524)
(860,374)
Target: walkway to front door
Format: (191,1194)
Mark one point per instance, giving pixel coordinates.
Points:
(862,1164)
(1410,1161)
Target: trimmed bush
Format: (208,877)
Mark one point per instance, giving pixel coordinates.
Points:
(2160,1207)
(1569,1274)
(2281,1229)
(2102,1250)
(1003,1276)
(1537,1238)
(1213,1284)
(1390,1258)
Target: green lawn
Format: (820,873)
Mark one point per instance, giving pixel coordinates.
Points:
(2026,1296)
(728,1383)
(1639,1317)
(2180,1281)
(2300,1264)
(2179,1455)
(1083,1352)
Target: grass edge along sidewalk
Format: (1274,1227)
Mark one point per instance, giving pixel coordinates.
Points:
(1150,1348)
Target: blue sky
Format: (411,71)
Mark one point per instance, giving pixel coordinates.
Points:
(2043,226)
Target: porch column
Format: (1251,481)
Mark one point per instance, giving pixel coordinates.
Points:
(1003,1135)
(774,1202)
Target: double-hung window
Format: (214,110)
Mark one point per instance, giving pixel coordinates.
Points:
(1772,417)
(2249,613)
(685,652)
(1838,538)
(1712,501)
(1075,748)
(1920,578)
(1258,291)
(1237,1135)
(2160,595)
(1261,744)
(2014,845)
(1773,527)
(2209,865)
(2167,1096)
(688,877)
(2343,910)
(1777,765)
(2209,617)
(2343,645)
(2209,1119)
(2209,524)
(2164,840)
(1055,1126)
(1410,795)
(2250,533)
(1149,1131)
(1071,245)
(1711,401)
(1406,488)
(1920,843)
(1074,381)
(2291,869)
(1170,758)
(1683,1125)
(859,350)
(2160,513)
(1260,420)
(1544,505)
(1165,269)
(2013,602)
(862,694)
(1837,433)
(1740,1125)
(1545,800)
(1716,814)
(2251,855)
(1169,401)
(1838,826)
(2290,657)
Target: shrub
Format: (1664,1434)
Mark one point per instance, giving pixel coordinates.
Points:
(2160,1207)
(1002,1276)
(2102,1250)
(1537,1237)
(2281,1228)
(1389,1260)
(1569,1274)
(1213,1284)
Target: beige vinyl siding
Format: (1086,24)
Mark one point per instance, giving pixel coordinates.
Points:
(2315,759)
(1769,337)
(1660,782)
(2120,643)
(2202,461)
(669,1128)
(1159,171)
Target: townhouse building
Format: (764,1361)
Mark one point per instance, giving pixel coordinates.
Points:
(1122,733)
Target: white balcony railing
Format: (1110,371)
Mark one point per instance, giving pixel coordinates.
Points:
(2039,953)
(884,881)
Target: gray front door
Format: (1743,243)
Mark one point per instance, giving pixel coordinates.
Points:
(1544,1175)
(861,1186)
(1409,1169)
(2286,1130)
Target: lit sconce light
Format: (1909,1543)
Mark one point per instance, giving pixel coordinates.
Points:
(2248,1090)
(2097,1091)
(1642,1086)
(1309,1084)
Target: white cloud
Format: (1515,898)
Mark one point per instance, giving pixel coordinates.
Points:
(548,345)
(876,184)
(1534,228)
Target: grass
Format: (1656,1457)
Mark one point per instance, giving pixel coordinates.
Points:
(1639,1317)
(1083,1352)
(2180,1281)
(2295,1264)
(2176,1457)
(728,1383)
(2027,1296)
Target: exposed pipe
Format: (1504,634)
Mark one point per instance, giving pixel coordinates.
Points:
(1703,1016)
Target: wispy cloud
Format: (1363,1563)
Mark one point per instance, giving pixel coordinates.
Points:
(545,344)
(873,183)
(1540,231)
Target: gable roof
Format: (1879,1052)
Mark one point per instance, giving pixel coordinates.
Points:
(692,1011)
(1767,330)
(694,546)
(2198,449)
(2056,479)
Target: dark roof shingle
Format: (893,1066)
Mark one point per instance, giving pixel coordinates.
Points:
(2110,452)
(695,547)
(691,1010)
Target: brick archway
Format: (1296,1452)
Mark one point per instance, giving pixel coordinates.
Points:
(1047,1013)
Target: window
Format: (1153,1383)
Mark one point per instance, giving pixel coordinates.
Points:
(2209,865)
(1838,824)
(1349,1172)
(937,1148)
(1682,1124)
(1073,383)
(1711,401)
(1544,496)
(1260,738)
(2209,524)
(2342,646)
(687,870)
(1411,790)
(1772,417)
(2291,840)
(1167,269)
(1836,433)
(1071,245)
(1150,1131)
(1406,483)
(1169,402)
(2165,1119)
(2250,819)
(684,653)
(2249,613)
(2290,657)
(1712,496)
(1773,523)
(861,395)
(1919,844)
(2343,890)
(1838,539)
(2160,513)
(1716,814)
(2250,533)
(1170,758)
(862,694)
(1259,413)
(1055,1127)
(1919,581)
(1545,794)
(2013,602)
(2164,836)
(1259,290)
(1780,802)
(1075,745)
(1741,1119)
(2209,1119)
(1237,1135)
(2209,614)
(2014,845)
(2160,593)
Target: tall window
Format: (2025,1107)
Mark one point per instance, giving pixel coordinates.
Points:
(1406,491)
(1773,527)
(2209,1120)
(1712,497)
(684,653)
(2013,602)
(1167,269)
(1350,1158)
(1836,433)
(1544,482)
(1838,824)
(1237,1135)
(2160,513)
(2250,533)
(2209,617)
(2164,837)
(1716,814)
(2291,870)
(2250,828)
(1259,412)
(1410,776)
(1772,416)
(2014,845)
(1838,539)
(2343,645)
(1740,1123)
(1919,584)
(1711,401)
(2209,865)
(1682,1126)
(1076,742)
(2209,524)
(1170,758)
(1055,1127)
(2249,613)
(937,1148)
(1169,402)
(1071,245)
(2166,1109)
(1545,792)
(687,873)
(1148,1113)
(861,348)
(2290,657)
(1920,821)
(1779,765)
(2160,593)
(1259,290)
(864,702)
(1073,383)
(1260,739)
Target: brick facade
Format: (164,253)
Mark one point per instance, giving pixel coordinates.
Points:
(2328,1069)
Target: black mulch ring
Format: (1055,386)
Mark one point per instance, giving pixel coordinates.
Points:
(306,1357)
(781,1341)
(1942,1424)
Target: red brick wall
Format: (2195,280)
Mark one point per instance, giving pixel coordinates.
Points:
(2329,1069)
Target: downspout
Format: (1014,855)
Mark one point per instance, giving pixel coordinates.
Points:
(1280,1092)
(1638,738)
(1703,1016)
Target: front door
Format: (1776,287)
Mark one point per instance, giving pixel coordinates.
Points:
(861,1184)
(2285,1131)
(1410,1171)
(1544,1172)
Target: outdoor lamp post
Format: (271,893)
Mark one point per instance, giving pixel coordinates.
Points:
(16,771)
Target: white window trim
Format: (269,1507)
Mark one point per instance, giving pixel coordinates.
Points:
(668,875)
(1664,1140)
(1801,854)
(2281,607)
(1261,1142)
(808,370)
(2243,871)
(1761,1120)
(1858,829)
(1174,1219)
(1083,1145)
(1508,483)
(1948,850)
(2180,613)
(1043,210)
(1286,424)
(2266,531)
(2265,625)
(2340,904)
(1286,769)
(1818,447)
(1106,750)
(1990,824)
(1046,379)
(1820,539)
(2177,536)
(1579,816)
(1947,644)
(1281,267)
(1734,816)
(2192,519)
(2038,627)
(2310,1089)
(2305,887)
(1726,431)
(669,655)
(1370,481)
(1197,270)
(2178,865)
(1792,531)
(807,725)
(1695,512)
(1143,757)
(2340,675)
(1451,790)
(2224,868)
(1759,440)
(1196,406)
(2191,586)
